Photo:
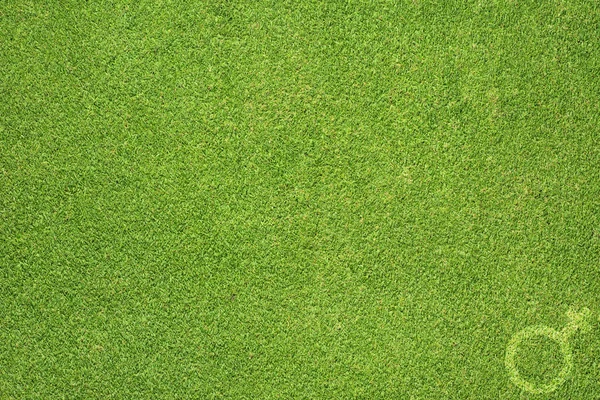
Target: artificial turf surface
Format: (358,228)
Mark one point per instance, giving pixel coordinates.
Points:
(297,199)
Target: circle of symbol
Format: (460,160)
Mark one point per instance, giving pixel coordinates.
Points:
(551,334)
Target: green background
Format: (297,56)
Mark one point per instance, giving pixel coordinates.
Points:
(296,199)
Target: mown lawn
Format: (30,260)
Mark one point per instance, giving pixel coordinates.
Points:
(310,199)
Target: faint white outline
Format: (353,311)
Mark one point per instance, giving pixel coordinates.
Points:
(577,321)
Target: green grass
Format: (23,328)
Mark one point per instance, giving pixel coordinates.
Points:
(540,360)
(312,199)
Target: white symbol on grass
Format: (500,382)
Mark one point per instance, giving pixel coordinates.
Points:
(577,320)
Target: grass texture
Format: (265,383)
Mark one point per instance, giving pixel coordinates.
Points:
(312,199)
